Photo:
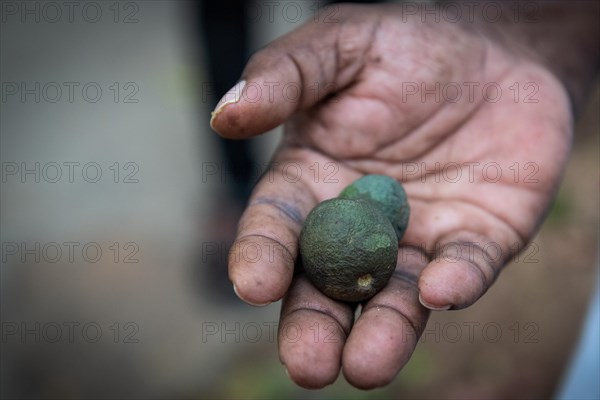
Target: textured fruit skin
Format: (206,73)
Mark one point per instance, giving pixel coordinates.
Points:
(348,249)
(387,193)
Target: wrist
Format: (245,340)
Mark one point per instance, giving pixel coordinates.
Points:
(560,37)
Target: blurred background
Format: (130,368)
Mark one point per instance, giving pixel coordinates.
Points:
(118,205)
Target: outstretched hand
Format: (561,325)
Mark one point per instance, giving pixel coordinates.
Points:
(477,135)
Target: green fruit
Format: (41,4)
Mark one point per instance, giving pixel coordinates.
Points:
(348,249)
(387,193)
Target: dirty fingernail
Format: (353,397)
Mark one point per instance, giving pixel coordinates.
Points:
(233,95)
(249,302)
(432,307)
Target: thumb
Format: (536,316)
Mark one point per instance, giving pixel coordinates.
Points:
(295,72)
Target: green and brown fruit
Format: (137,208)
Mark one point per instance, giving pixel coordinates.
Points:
(348,249)
(387,194)
(349,245)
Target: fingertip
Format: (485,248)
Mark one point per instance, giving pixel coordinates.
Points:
(445,285)
(310,348)
(228,122)
(256,291)
(226,106)
(434,307)
(311,377)
(249,109)
(376,350)
(312,332)
(247,299)
(260,270)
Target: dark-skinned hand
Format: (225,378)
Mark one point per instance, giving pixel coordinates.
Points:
(364,120)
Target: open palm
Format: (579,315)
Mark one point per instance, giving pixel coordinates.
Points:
(478,137)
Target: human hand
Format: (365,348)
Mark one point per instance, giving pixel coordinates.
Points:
(364,120)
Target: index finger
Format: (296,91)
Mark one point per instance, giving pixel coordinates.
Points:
(261,261)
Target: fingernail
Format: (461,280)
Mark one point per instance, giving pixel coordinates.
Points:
(233,95)
(249,302)
(432,307)
(286,371)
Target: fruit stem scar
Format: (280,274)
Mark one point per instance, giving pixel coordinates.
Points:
(365,281)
